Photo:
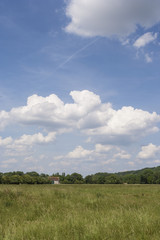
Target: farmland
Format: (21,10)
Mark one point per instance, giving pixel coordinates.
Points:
(75,212)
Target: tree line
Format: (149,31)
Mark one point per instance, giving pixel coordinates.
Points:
(143,176)
(19,177)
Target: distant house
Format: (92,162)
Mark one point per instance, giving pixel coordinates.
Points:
(54,180)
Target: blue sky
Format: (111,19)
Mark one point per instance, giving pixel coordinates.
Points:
(79,85)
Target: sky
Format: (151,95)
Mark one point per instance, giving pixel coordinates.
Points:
(79,85)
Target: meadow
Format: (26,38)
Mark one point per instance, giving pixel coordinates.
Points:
(75,212)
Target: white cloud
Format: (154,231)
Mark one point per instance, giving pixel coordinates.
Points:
(145,39)
(148,58)
(79,152)
(23,145)
(103,148)
(122,155)
(87,113)
(37,138)
(148,151)
(125,41)
(124,124)
(51,112)
(99,158)
(111,17)
(104,154)
(5,141)
(4,118)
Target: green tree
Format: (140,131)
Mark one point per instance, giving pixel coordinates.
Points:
(88,179)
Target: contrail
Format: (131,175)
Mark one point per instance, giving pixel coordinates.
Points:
(74,54)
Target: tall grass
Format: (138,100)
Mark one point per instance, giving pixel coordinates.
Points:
(75,212)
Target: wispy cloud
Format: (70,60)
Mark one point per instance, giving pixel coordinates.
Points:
(148,58)
(145,39)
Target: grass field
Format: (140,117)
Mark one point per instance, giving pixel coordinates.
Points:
(72,212)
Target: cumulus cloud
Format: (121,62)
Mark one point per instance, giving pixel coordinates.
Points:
(35,139)
(149,151)
(79,152)
(28,139)
(4,118)
(52,112)
(122,155)
(126,123)
(5,141)
(145,39)
(111,17)
(103,148)
(87,114)
(20,146)
(100,154)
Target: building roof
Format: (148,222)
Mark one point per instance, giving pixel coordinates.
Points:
(54,178)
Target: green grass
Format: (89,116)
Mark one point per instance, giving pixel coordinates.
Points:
(74,212)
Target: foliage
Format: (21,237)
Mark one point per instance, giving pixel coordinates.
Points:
(143,176)
(21,178)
